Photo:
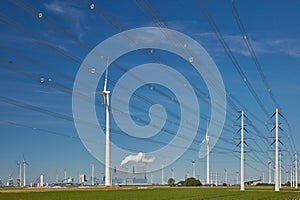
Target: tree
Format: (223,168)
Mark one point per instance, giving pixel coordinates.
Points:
(171,182)
(192,182)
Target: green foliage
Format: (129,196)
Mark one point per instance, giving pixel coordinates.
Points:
(192,182)
(171,182)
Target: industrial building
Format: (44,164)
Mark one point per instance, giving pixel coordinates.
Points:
(135,175)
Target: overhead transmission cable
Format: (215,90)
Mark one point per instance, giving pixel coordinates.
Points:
(204,10)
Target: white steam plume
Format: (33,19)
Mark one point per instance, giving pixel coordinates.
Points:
(140,157)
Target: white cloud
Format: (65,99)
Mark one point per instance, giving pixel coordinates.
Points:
(140,157)
(56,6)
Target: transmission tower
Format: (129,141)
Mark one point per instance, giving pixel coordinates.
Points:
(242,142)
(276,127)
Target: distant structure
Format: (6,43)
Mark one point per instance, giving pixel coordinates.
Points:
(10,181)
(122,176)
(42,181)
(19,180)
(82,179)
(24,175)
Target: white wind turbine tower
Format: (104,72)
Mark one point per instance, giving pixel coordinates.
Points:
(65,179)
(269,165)
(194,170)
(172,170)
(93,176)
(296,170)
(225,180)
(105,94)
(291,173)
(162,174)
(24,175)
(207,156)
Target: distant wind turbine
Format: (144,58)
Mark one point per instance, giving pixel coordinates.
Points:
(207,156)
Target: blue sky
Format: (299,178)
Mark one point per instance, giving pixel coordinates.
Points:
(41,56)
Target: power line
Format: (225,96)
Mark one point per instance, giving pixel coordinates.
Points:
(252,52)
(204,10)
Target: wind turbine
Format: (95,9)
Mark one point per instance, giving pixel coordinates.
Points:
(162,174)
(65,172)
(269,164)
(24,168)
(225,176)
(172,170)
(105,94)
(207,156)
(296,170)
(193,166)
(93,176)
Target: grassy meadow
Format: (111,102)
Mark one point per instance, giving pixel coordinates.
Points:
(145,193)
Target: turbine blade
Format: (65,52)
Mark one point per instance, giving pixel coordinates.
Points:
(105,100)
(106,76)
(99,92)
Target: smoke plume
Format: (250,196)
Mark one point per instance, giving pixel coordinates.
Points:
(140,157)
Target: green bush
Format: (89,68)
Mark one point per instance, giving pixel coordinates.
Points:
(192,182)
(171,182)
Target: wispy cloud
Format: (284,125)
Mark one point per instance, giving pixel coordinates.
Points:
(286,46)
(72,12)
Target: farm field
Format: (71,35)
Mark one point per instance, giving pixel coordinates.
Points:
(145,193)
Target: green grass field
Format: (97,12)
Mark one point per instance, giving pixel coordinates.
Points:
(145,193)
